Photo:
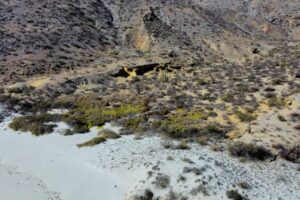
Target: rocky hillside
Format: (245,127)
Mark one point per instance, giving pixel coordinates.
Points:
(50,36)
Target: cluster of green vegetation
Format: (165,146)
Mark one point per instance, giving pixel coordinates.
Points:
(228,98)
(36,124)
(86,114)
(181,124)
(184,124)
(162,181)
(216,129)
(183,115)
(133,123)
(245,116)
(276,102)
(202,82)
(208,97)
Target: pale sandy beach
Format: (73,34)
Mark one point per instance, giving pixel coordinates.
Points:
(52,167)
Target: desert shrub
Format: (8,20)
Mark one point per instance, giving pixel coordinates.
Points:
(208,97)
(245,116)
(276,102)
(92,142)
(202,140)
(88,113)
(195,170)
(278,81)
(278,146)
(172,195)
(249,151)
(36,124)
(183,145)
(228,97)
(290,154)
(215,129)
(202,82)
(270,95)
(176,130)
(162,181)
(189,129)
(216,147)
(181,124)
(167,144)
(163,111)
(8,99)
(232,194)
(132,123)
(63,102)
(281,118)
(200,189)
(148,195)
(269,89)
(244,185)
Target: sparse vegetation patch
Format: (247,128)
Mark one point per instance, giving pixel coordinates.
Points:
(249,151)
(246,116)
(162,181)
(36,124)
(88,113)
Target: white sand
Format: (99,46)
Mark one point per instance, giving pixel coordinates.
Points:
(51,167)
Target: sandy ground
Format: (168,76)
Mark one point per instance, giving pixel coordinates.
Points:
(268,130)
(51,167)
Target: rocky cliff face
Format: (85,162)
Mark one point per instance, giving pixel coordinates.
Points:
(42,37)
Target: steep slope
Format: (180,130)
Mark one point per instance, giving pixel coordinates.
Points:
(45,37)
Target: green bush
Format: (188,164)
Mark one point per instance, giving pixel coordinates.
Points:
(36,124)
(178,130)
(162,181)
(132,123)
(276,102)
(88,113)
(245,116)
(228,98)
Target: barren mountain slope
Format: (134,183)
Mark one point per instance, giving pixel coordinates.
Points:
(45,37)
